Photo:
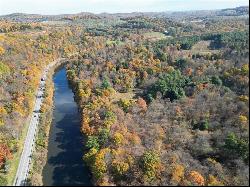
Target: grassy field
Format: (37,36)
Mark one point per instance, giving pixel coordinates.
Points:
(203,47)
(117,96)
(155,36)
(116,42)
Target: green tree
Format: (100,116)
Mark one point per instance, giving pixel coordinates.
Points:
(216,80)
(103,136)
(181,63)
(93,142)
(105,84)
(237,147)
(170,85)
(150,162)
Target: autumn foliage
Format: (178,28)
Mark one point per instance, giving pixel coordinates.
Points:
(5,154)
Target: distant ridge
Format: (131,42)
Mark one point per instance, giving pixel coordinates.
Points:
(23,17)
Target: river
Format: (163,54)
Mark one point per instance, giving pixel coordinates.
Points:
(65,150)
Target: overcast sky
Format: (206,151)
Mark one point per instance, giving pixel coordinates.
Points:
(112,6)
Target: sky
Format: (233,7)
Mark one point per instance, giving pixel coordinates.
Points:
(111,6)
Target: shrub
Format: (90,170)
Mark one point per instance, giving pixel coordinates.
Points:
(109,119)
(118,138)
(125,104)
(142,104)
(89,157)
(103,136)
(245,69)
(3,181)
(110,115)
(2,51)
(181,63)
(203,125)
(99,166)
(93,142)
(237,147)
(178,173)
(2,111)
(119,167)
(216,80)
(84,93)
(5,154)
(161,55)
(71,74)
(40,141)
(243,119)
(150,163)
(105,84)
(244,98)
(213,181)
(4,69)
(196,178)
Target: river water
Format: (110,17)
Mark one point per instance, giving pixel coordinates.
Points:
(65,150)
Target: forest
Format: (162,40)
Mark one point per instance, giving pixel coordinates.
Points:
(163,101)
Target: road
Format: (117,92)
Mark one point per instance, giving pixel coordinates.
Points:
(25,160)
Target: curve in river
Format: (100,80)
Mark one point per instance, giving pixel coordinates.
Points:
(64,163)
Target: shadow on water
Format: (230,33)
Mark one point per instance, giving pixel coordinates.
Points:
(65,166)
(69,165)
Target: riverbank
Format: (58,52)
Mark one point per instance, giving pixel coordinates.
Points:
(39,157)
(64,164)
(58,124)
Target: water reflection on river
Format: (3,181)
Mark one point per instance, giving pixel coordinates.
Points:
(65,165)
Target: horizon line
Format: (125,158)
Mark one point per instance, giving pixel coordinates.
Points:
(166,11)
